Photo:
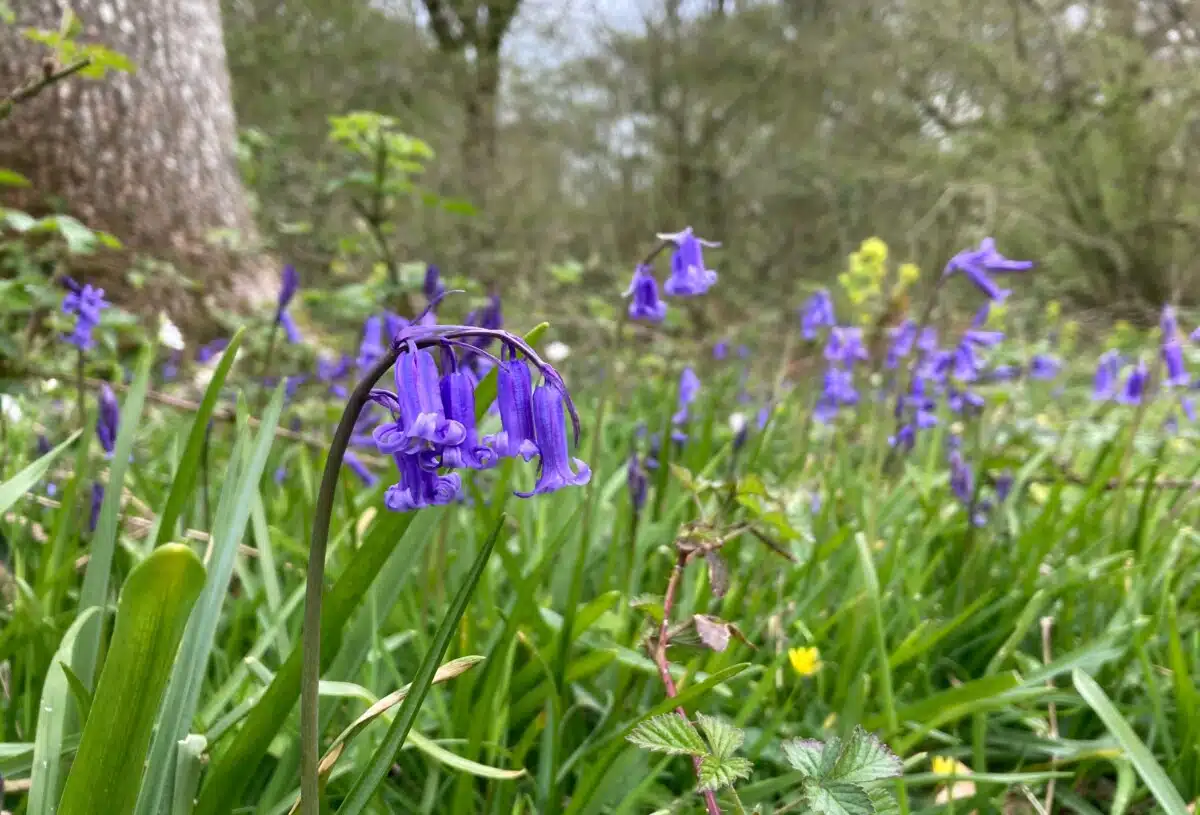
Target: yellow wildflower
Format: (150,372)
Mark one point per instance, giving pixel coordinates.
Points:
(908,273)
(805,661)
(944,765)
(1053,310)
(873,251)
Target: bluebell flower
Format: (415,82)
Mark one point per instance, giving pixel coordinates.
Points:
(817,313)
(371,348)
(550,432)
(1195,335)
(331,371)
(1003,485)
(170,368)
(290,329)
(458,401)
(1135,385)
(965,360)
(206,352)
(903,338)
(837,391)
(514,387)
(638,483)
(721,350)
(360,469)
(1044,366)
(1004,373)
(97,502)
(764,415)
(86,303)
(420,484)
(960,400)
(1104,384)
(845,346)
(292,384)
(433,288)
(645,304)
(743,352)
(689,388)
(1189,407)
(108,418)
(393,324)
(419,421)
(979,264)
(689,275)
(280,474)
(290,285)
(927,341)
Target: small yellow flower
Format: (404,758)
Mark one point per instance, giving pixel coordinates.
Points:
(805,661)
(908,273)
(1053,310)
(873,250)
(944,765)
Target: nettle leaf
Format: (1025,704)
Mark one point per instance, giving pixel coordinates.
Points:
(864,759)
(839,799)
(716,773)
(668,733)
(723,738)
(804,755)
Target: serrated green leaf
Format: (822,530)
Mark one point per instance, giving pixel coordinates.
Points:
(864,759)
(804,755)
(884,801)
(668,733)
(723,738)
(839,799)
(829,757)
(716,773)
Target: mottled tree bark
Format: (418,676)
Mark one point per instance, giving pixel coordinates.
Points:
(148,156)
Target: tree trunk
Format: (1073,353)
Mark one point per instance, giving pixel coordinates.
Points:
(148,156)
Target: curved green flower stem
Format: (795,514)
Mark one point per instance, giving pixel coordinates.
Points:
(310,676)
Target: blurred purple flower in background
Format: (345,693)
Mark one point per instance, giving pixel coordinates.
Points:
(979,264)
(817,313)
(85,303)
(645,304)
(108,418)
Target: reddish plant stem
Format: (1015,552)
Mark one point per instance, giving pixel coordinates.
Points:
(664,667)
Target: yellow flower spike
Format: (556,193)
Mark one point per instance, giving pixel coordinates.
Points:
(908,273)
(805,661)
(1053,310)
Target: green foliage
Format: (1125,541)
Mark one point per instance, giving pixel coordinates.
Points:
(837,774)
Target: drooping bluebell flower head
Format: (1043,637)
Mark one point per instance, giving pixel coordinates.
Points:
(689,388)
(434,288)
(845,346)
(638,483)
(371,348)
(108,418)
(1044,366)
(721,350)
(1108,369)
(817,313)
(1003,485)
(1135,385)
(837,391)
(645,304)
(689,275)
(964,400)
(86,303)
(393,324)
(432,425)
(208,351)
(280,474)
(966,361)
(979,264)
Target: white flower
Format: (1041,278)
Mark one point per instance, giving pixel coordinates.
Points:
(168,333)
(557,351)
(737,422)
(50,385)
(10,408)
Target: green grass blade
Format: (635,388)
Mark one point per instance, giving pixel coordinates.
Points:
(485,391)
(377,768)
(187,774)
(21,483)
(151,615)
(232,769)
(104,543)
(1143,760)
(55,574)
(56,718)
(187,675)
(185,478)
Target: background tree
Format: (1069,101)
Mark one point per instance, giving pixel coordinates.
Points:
(147,155)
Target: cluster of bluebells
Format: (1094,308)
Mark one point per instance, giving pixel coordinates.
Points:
(84,302)
(1111,382)
(689,277)
(432,429)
